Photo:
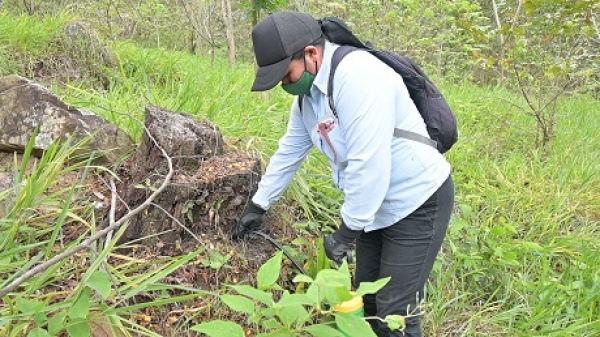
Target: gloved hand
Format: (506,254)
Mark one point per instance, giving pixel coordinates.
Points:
(340,243)
(250,221)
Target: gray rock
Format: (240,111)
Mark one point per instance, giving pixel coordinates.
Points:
(186,140)
(26,106)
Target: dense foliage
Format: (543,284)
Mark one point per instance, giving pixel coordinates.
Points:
(479,40)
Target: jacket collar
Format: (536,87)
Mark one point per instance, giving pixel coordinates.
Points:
(322,78)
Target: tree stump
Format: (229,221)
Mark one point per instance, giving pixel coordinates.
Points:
(208,191)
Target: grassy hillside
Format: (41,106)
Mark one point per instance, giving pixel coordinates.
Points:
(522,254)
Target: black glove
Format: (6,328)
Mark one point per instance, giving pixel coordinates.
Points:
(250,221)
(340,244)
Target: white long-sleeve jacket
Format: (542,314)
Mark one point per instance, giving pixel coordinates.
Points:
(383,178)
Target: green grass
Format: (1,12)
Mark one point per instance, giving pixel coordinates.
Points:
(39,213)
(30,33)
(522,254)
(525,238)
(22,36)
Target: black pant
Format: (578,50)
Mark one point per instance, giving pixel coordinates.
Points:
(405,251)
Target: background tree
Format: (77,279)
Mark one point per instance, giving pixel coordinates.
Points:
(442,38)
(546,49)
(203,17)
(229,24)
(255,10)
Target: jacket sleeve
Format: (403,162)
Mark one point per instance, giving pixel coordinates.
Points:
(365,99)
(294,146)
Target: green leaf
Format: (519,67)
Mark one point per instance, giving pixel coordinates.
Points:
(267,312)
(219,328)
(81,307)
(467,211)
(56,323)
(337,295)
(498,231)
(270,324)
(371,287)
(6,260)
(330,278)
(511,228)
(288,299)
(345,271)
(27,306)
(314,293)
(322,259)
(299,241)
(291,314)
(269,272)
(100,281)
(80,328)
(353,325)
(38,332)
(323,330)
(302,278)
(532,246)
(239,303)
(259,295)
(395,322)
(40,318)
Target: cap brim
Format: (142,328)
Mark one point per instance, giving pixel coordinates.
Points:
(269,76)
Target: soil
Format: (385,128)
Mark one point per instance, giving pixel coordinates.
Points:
(214,241)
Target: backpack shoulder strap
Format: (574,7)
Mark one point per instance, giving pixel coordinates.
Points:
(344,50)
(399,133)
(338,55)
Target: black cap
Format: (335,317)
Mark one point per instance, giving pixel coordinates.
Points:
(276,38)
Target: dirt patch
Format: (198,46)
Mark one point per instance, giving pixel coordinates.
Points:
(222,261)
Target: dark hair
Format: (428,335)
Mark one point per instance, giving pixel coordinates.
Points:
(320,42)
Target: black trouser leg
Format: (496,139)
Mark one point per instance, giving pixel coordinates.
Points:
(405,251)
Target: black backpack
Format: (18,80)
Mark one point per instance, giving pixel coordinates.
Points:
(439,119)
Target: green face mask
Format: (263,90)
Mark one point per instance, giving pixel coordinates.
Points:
(301,86)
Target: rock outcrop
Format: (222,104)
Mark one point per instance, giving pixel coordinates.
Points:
(29,110)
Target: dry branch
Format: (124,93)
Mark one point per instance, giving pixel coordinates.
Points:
(100,234)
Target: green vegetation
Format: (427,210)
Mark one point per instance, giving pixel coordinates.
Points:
(521,257)
(288,316)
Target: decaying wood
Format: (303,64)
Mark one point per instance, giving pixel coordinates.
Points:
(210,188)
